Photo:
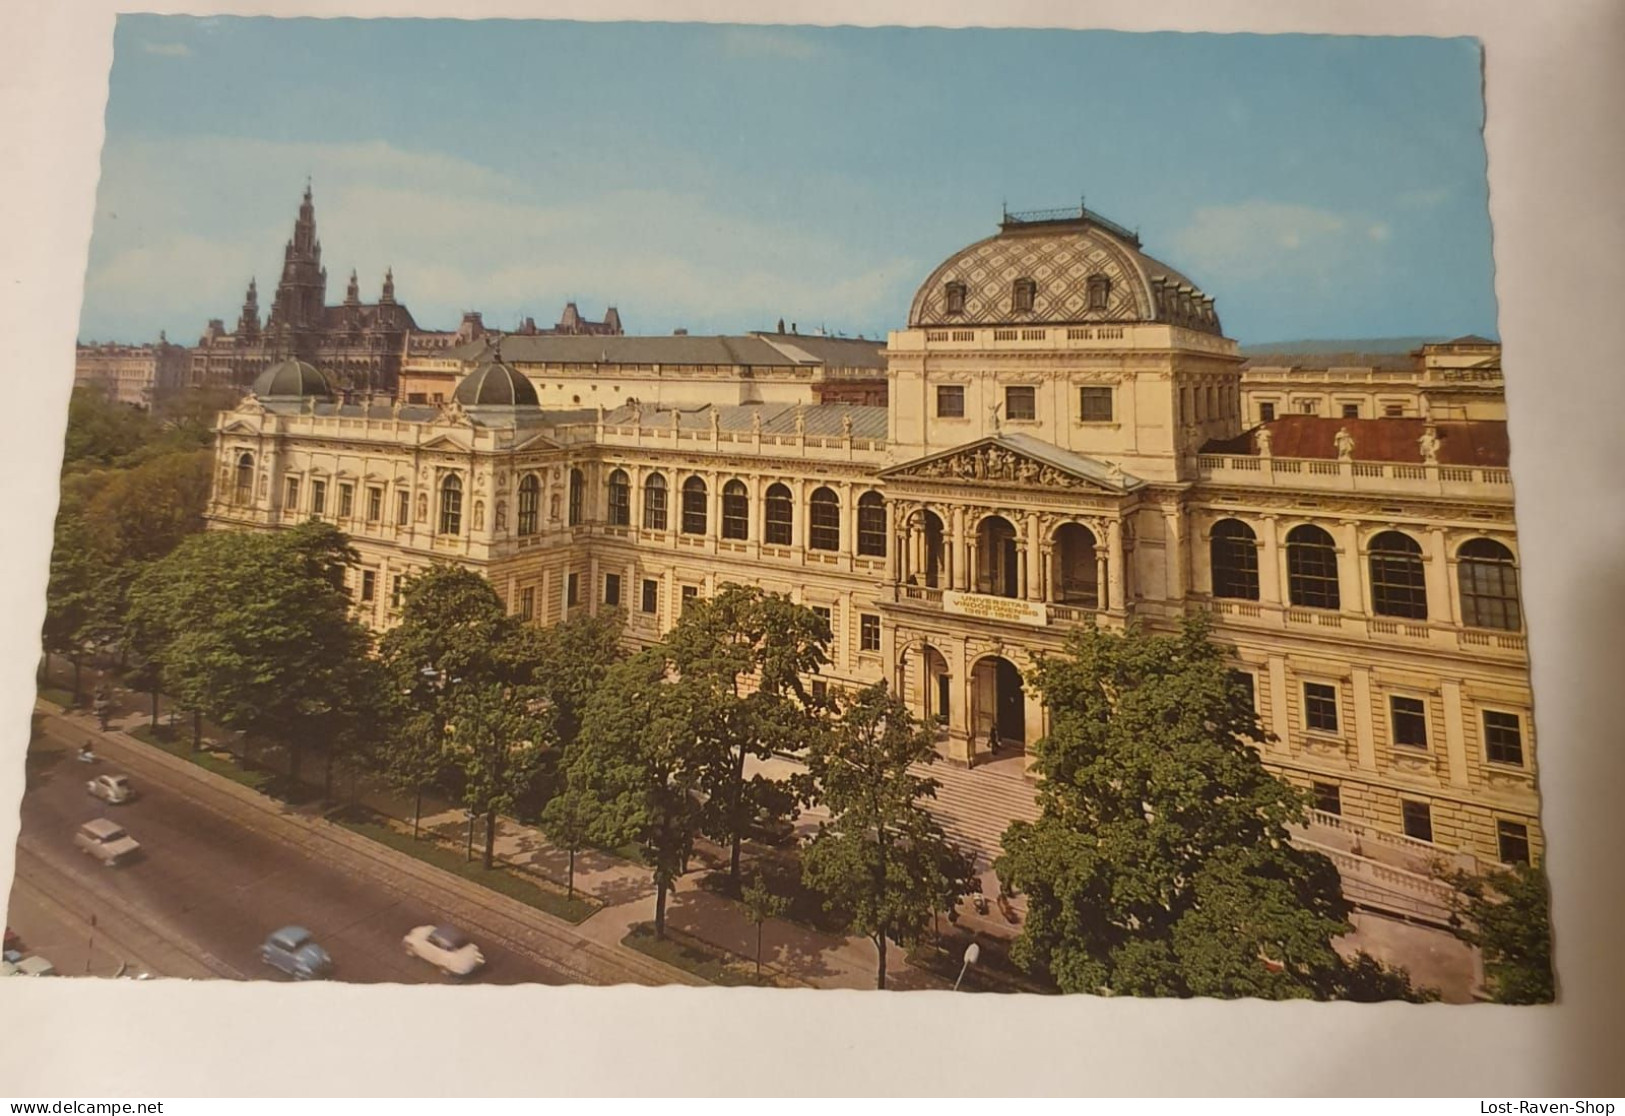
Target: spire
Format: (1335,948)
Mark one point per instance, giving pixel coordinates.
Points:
(352,293)
(389,287)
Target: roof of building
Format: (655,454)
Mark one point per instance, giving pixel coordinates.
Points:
(749,350)
(292,379)
(495,384)
(1061,253)
(1391,362)
(1480,442)
(820,420)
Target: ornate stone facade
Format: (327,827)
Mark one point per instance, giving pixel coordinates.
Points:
(1023,480)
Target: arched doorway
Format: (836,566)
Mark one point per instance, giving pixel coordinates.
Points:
(999,705)
(926,561)
(1077,566)
(925,685)
(996,557)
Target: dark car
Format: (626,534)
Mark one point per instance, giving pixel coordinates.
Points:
(294,950)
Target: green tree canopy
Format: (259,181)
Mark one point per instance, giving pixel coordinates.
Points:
(1160,864)
(881,860)
(1508,916)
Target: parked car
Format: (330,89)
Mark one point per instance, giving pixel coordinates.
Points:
(17,965)
(446,948)
(294,950)
(12,940)
(111,789)
(106,841)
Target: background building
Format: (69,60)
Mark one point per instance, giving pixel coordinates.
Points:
(137,375)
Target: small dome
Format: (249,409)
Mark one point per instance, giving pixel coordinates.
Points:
(495,384)
(292,379)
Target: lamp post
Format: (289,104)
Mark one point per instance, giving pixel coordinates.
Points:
(972,952)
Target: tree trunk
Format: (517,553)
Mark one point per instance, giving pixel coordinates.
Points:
(660,906)
(570,877)
(880,977)
(155,707)
(295,754)
(758,953)
(490,838)
(740,823)
(417,812)
(76,666)
(327,774)
(197,730)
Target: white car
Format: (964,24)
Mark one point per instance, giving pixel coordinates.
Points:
(446,948)
(112,789)
(17,965)
(106,841)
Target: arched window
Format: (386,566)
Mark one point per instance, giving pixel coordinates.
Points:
(953,294)
(620,499)
(824,520)
(1488,577)
(735,510)
(872,525)
(654,503)
(1234,552)
(578,490)
(695,498)
(530,503)
(1311,568)
(1099,290)
(451,505)
(1398,585)
(245,478)
(1023,293)
(778,517)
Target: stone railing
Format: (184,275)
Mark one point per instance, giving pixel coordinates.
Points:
(1378,477)
(1381,629)
(1382,887)
(1106,335)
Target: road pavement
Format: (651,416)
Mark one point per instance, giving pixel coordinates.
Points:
(206,889)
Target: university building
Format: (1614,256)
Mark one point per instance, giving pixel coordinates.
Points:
(1068,438)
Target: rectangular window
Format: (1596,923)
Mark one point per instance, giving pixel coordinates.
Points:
(612,590)
(291,501)
(690,594)
(1320,707)
(1246,688)
(417,397)
(651,595)
(1410,720)
(1021,403)
(369,584)
(868,632)
(527,603)
(346,501)
(403,508)
(375,504)
(1503,738)
(820,690)
(318,497)
(1418,818)
(1095,404)
(395,583)
(1266,412)
(1513,840)
(1394,410)
(1327,797)
(1351,410)
(572,590)
(1308,406)
(950,401)
(826,616)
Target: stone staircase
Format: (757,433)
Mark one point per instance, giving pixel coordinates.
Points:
(975,806)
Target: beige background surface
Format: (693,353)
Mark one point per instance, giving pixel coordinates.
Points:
(1555,74)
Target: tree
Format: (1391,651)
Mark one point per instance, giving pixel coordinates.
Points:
(495,740)
(1161,864)
(761,904)
(571,819)
(253,630)
(880,860)
(1507,915)
(78,604)
(644,747)
(101,431)
(751,648)
(568,661)
(144,512)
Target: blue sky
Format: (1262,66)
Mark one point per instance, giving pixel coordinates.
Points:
(717,178)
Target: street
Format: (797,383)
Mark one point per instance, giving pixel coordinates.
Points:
(205,890)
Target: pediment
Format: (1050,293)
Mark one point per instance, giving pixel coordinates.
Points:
(536,441)
(1005,461)
(238,426)
(445,442)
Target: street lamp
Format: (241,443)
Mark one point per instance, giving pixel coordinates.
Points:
(972,952)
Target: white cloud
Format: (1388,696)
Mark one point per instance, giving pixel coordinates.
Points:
(168,50)
(1258,239)
(460,236)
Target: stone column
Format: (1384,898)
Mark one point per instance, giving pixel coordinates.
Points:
(1351,580)
(953,546)
(1114,536)
(1021,569)
(1455,735)
(893,562)
(1365,743)
(1271,578)
(1032,565)
(1442,604)
(1280,720)
(1046,572)
(960,746)
(591,588)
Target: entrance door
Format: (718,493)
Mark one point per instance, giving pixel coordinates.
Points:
(1012,704)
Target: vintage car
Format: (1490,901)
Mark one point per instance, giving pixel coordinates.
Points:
(446,948)
(111,789)
(106,841)
(294,951)
(15,964)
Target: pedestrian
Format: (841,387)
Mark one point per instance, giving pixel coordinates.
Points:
(993,738)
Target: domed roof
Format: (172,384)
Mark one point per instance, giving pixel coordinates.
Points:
(292,379)
(494,384)
(1076,267)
